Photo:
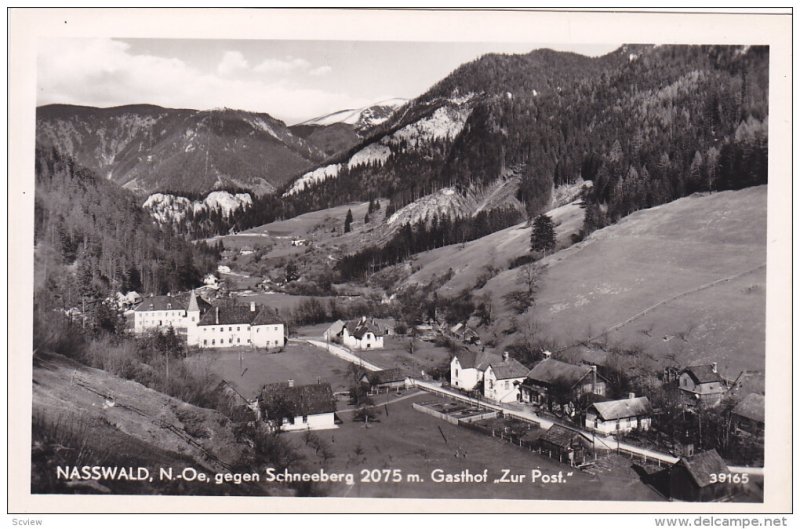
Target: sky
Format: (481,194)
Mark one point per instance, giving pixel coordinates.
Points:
(291,80)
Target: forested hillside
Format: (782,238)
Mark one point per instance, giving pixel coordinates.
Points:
(92,238)
(647,124)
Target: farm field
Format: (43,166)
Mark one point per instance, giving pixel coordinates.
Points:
(303,363)
(414,443)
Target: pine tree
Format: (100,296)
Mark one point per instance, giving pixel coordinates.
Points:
(543,236)
(348,220)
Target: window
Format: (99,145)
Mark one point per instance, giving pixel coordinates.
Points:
(205,342)
(230,340)
(213,342)
(230,328)
(238,340)
(238,328)
(305,419)
(456,371)
(276,328)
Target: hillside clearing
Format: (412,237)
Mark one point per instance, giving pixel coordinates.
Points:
(684,279)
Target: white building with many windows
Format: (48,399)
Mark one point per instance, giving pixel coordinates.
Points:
(161,312)
(238,326)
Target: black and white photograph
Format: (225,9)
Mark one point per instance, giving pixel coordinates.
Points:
(403,268)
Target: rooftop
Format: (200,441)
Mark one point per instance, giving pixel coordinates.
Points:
(180,301)
(703,374)
(702,465)
(508,368)
(751,407)
(620,409)
(470,358)
(311,399)
(550,371)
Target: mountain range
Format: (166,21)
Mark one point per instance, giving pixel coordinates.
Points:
(647,124)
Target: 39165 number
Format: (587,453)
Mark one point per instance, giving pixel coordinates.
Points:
(728,477)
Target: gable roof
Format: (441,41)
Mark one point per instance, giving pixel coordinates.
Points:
(559,436)
(620,409)
(703,374)
(508,368)
(386,376)
(311,399)
(472,359)
(702,465)
(358,328)
(550,371)
(751,407)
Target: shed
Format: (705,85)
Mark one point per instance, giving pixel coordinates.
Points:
(693,478)
(386,379)
(568,446)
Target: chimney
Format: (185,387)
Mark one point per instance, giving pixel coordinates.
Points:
(291,382)
(169,294)
(714,367)
(217,314)
(594,379)
(363,319)
(631,395)
(505,356)
(252,306)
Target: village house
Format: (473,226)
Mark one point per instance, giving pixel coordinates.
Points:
(502,379)
(238,326)
(619,416)
(385,380)
(161,312)
(555,382)
(693,478)
(331,333)
(468,366)
(748,415)
(358,334)
(702,384)
(307,407)
(211,281)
